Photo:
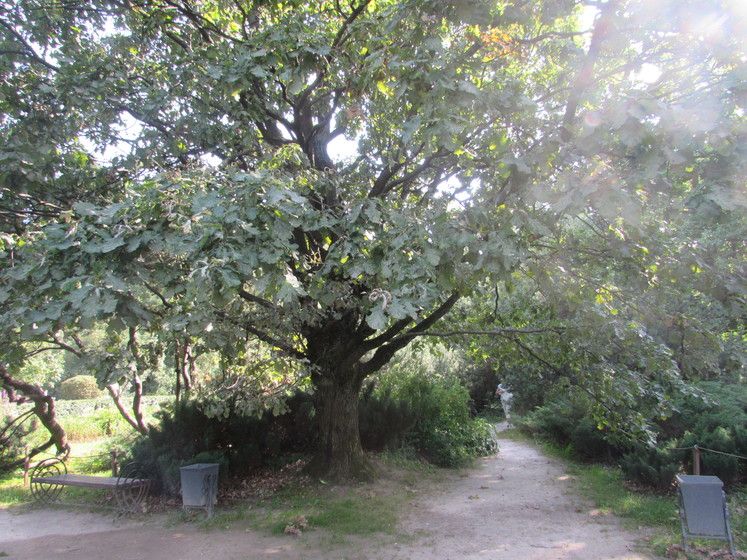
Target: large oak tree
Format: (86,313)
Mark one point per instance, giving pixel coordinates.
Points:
(170,166)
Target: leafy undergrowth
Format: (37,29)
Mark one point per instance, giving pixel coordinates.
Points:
(641,509)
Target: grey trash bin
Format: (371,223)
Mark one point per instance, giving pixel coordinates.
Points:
(200,486)
(703,511)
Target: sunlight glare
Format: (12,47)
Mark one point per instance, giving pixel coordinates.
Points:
(648,73)
(342,149)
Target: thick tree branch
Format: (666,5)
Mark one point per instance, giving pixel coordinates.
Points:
(44,409)
(585,76)
(116,394)
(342,33)
(28,50)
(386,352)
(247,296)
(387,335)
(264,336)
(153,290)
(76,351)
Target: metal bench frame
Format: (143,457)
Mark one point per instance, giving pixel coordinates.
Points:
(130,488)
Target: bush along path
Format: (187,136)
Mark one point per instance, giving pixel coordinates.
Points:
(516,504)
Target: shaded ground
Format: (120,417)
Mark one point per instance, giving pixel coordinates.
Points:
(516,505)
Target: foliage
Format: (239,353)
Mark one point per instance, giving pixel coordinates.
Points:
(13,440)
(88,407)
(715,418)
(481,382)
(719,422)
(103,423)
(384,420)
(186,433)
(79,387)
(652,467)
(172,179)
(416,402)
(92,420)
(569,421)
(45,369)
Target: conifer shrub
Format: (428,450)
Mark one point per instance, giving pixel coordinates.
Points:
(714,417)
(384,420)
(13,439)
(569,422)
(652,467)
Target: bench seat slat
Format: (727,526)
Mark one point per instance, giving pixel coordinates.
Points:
(87,481)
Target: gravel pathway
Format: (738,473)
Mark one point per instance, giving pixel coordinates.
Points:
(517,505)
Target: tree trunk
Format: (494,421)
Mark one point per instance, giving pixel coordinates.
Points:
(339,455)
(337,351)
(44,409)
(137,423)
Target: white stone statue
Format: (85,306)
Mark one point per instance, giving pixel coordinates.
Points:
(507,400)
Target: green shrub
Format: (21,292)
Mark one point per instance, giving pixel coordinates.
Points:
(13,439)
(715,418)
(185,434)
(428,412)
(553,421)
(568,421)
(444,432)
(383,420)
(481,382)
(651,467)
(86,407)
(79,387)
(726,439)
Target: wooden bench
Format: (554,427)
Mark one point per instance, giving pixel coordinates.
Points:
(130,488)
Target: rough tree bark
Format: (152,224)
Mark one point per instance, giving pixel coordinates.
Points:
(343,355)
(339,454)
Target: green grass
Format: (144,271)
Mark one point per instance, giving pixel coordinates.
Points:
(605,487)
(357,516)
(339,511)
(92,432)
(90,457)
(408,461)
(12,492)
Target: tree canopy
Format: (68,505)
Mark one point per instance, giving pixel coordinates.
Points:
(169,168)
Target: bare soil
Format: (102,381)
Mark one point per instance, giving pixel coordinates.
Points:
(517,505)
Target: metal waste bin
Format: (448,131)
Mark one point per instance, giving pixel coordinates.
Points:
(200,486)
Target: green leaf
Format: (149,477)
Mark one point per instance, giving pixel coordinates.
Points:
(377,318)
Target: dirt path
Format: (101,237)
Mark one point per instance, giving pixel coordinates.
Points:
(518,505)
